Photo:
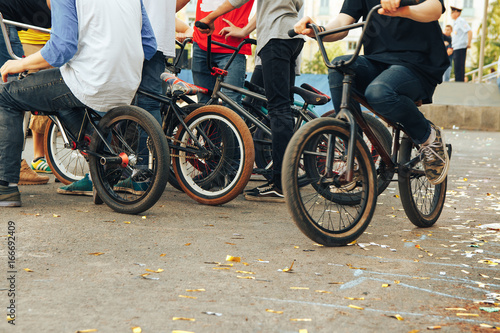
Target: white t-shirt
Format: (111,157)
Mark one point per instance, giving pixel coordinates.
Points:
(161,14)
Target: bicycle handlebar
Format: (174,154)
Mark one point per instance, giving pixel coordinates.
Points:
(320,35)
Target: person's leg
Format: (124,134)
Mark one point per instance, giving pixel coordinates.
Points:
(459,64)
(278,58)
(393,94)
(43,91)
(446,75)
(235,73)
(151,82)
(201,74)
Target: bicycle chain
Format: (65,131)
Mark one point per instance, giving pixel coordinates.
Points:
(187,144)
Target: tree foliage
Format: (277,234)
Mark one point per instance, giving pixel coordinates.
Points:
(492,43)
(316,64)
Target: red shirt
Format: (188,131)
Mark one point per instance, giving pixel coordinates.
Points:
(239,17)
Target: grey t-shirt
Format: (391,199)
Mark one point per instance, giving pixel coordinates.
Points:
(274,18)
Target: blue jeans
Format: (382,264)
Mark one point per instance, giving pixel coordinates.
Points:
(391,90)
(15,42)
(42,91)
(446,75)
(278,67)
(202,77)
(151,71)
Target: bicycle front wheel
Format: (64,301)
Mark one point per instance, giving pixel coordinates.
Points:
(68,165)
(129,160)
(422,201)
(328,210)
(214,162)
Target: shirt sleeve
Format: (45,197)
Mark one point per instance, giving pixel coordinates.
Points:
(238,3)
(63,42)
(149,44)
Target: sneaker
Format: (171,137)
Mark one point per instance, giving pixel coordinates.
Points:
(259,188)
(435,158)
(40,165)
(270,194)
(10,196)
(81,187)
(30,177)
(131,186)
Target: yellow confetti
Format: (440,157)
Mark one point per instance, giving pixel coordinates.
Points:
(353,242)
(221,268)
(335,282)
(319,245)
(323,291)
(136,329)
(184,296)
(296,247)
(96,253)
(396,316)
(300,319)
(434,327)
(289,269)
(467,314)
(246,277)
(145,274)
(187,244)
(144,217)
(274,311)
(356,307)
(183,318)
(300,288)
(87,331)
(397,281)
(127,222)
(303,330)
(231,258)
(385,285)
(163,255)
(56,215)
(194,290)
(245,272)
(246,264)
(28,270)
(485,276)
(230,243)
(159,270)
(455,309)
(355,298)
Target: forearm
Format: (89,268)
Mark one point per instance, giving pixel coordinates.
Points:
(34,61)
(340,21)
(251,26)
(427,11)
(469,38)
(180,4)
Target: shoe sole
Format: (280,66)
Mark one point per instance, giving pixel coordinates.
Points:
(10,203)
(128,190)
(264,199)
(33,183)
(444,174)
(87,193)
(42,171)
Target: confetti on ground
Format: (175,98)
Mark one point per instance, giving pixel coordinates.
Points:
(28,270)
(274,311)
(194,290)
(396,316)
(489,310)
(356,307)
(210,313)
(136,329)
(183,318)
(96,253)
(87,331)
(231,258)
(300,288)
(434,327)
(455,309)
(184,296)
(460,314)
(159,270)
(301,319)
(323,291)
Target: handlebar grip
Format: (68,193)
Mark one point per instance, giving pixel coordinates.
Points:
(292,33)
(201,25)
(404,3)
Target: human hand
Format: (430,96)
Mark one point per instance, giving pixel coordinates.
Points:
(210,29)
(11,67)
(392,8)
(232,30)
(181,36)
(302,29)
(449,51)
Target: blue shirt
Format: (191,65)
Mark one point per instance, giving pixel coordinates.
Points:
(63,43)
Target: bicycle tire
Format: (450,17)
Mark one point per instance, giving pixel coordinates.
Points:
(316,210)
(170,126)
(67,165)
(384,175)
(422,201)
(134,132)
(223,174)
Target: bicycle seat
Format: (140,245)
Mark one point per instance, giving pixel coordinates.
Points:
(178,87)
(311,95)
(255,88)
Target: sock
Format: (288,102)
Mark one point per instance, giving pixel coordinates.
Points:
(431,138)
(36,159)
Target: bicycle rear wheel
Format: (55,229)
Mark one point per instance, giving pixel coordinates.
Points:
(328,210)
(422,201)
(219,171)
(67,165)
(134,182)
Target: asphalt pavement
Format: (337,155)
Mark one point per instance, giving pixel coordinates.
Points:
(80,267)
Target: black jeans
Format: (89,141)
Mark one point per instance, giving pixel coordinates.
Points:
(278,64)
(459,64)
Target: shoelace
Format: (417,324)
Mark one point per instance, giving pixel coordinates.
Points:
(429,151)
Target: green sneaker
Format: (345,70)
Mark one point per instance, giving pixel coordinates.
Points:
(435,158)
(10,196)
(130,186)
(81,187)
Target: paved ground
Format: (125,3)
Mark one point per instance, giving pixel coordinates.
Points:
(86,263)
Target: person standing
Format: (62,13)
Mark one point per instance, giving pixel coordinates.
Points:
(461,41)
(278,53)
(449,50)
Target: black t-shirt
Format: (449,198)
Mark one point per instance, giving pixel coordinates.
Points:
(33,12)
(400,41)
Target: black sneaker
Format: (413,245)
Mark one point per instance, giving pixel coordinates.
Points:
(270,194)
(10,196)
(435,158)
(259,188)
